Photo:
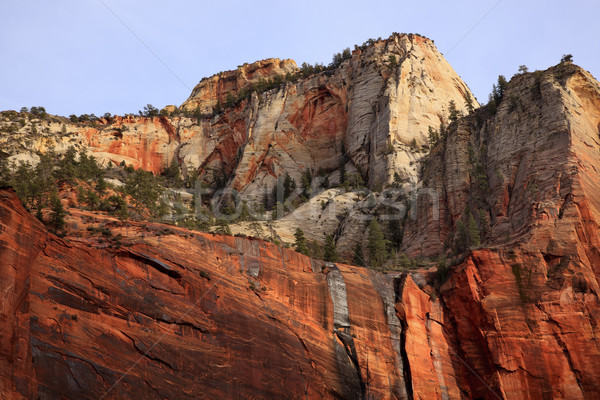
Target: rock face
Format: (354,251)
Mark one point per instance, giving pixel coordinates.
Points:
(528,173)
(215,89)
(190,315)
(371,115)
(162,312)
(364,113)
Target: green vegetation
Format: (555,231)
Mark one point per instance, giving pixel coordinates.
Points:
(566,58)
(359,258)
(455,113)
(329,251)
(377,245)
(144,187)
(473,229)
(57,215)
(300,243)
(149,111)
(469,102)
(433,136)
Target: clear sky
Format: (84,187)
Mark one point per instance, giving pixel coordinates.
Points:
(97,56)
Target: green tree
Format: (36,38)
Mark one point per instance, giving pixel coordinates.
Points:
(101,185)
(329,251)
(149,111)
(455,113)
(461,240)
(566,58)
(359,258)
(474,235)
(377,245)
(289,185)
(469,102)
(230,100)
(392,62)
(57,214)
(315,250)
(173,173)
(523,69)
(300,242)
(4,173)
(245,213)
(307,183)
(222,227)
(144,187)
(499,89)
(434,136)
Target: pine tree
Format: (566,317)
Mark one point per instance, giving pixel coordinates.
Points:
(434,136)
(57,215)
(469,102)
(307,184)
(315,250)
(101,185)
(461,241)
(289,185)
(300,243)
(473,229)
(455,113)
(245,213)
(377,245)
(359,258)
(329,252)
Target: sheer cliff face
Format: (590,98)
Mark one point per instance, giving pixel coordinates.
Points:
(527,173)
(533,178)
(366,113)
(192,315)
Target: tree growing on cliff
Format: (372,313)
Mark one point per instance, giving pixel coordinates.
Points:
(498,90)
(300,242)
(57,214)
(461,240)
(474,234)
(469,102)
(149,111)
(377,245)
(433,135)
(455,113)
(289,185)
(307,184)
(329,251)
(566,58)
(359,258)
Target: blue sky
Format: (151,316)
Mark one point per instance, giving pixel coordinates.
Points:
(94,56)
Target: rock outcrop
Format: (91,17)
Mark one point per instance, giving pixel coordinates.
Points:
(215,89)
